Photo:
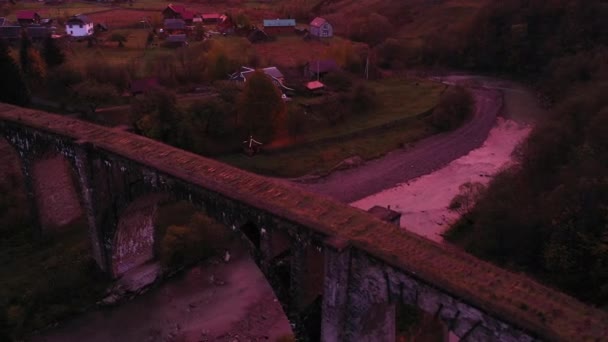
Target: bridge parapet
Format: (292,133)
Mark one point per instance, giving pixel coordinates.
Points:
(476,299)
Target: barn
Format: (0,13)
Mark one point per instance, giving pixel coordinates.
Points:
(274,27)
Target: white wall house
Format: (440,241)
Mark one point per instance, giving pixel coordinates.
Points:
(321,28)
(79,26)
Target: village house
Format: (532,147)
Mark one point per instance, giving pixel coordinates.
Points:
(320,67)
(257,36)
(10,33)
(174,26)
(211,18)
(176,40)
(320,28)
(225,24)
(37,33)
(79,26)
(274,27)
(25,18)
(178,12)
(314,86)
(273,72)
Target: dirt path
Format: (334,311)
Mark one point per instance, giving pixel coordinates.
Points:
(425,157)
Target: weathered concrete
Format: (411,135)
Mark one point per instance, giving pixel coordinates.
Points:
(370,268)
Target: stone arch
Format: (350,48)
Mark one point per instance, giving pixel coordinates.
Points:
(56,190)
(253,233)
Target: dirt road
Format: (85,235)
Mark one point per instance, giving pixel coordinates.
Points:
(424,157)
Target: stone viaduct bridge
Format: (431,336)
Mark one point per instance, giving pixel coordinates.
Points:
(355,268)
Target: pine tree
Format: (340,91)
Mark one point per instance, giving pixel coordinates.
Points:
(52,54)
(13,88)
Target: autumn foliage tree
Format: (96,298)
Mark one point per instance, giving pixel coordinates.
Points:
(261,108)
(52,53)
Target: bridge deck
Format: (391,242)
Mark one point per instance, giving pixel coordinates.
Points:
(511,297)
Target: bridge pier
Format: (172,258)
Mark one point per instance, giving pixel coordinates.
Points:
(27,169)
(90,203)
(335,289)
(356,306)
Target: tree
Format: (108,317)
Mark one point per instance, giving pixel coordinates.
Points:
(37,67)
(93,94)
(242,20)
(150,39)
(296,120)
(218,63)
(52,54)
(261,107)
(24,49)
(13,88)
(118,37)
(156,114)
(455,106)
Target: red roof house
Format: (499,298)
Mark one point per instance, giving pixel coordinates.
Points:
(178,12)
(28,17)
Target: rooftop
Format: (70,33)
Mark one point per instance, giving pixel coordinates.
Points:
(279,22)
(318,22)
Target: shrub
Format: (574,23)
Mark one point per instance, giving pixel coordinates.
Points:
(455,107)
(188,244)
(464,202)
(363,99)
(338,80)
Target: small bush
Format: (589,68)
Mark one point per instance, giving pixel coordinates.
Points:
(465,200)
(187,244)
(338,80)
(454,108)
(363,99)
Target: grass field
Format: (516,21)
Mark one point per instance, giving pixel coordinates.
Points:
(397,98)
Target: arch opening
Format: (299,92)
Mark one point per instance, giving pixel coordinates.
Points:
(57,194)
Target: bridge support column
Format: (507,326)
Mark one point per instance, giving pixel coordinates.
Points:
(91,203)
(356,304)
(335,289)
(27,168)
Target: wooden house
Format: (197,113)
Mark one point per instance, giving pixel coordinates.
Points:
(25,18)
(320,28)
(174,26)
(225,24)
(275,27)
(10,32)
(178,12)
(211,18)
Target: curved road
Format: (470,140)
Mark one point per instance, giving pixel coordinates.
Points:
(425,157)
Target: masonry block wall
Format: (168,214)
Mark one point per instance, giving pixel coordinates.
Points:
(309,245)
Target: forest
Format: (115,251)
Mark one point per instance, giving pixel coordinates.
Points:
(549,215)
